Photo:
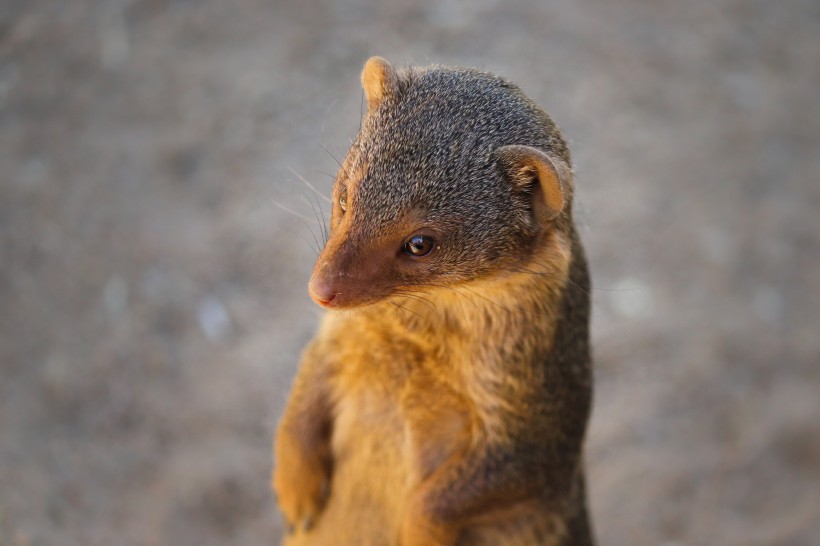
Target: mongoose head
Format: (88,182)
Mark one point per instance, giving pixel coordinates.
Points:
(456,176)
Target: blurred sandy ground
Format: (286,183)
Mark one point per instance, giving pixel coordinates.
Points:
(152,289)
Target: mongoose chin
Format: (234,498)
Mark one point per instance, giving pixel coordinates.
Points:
(450,408)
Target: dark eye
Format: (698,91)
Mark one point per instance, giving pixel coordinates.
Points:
(418,245)
(343,199)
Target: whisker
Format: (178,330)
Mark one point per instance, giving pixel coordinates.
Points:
(306,221)
(332,177)
(324,222)
(602,288)
(320,222)
(361,99)
(327,113)
(549,275)
(403,308)
(301,236)
(304,181)
(334,159)
(525,311)
(417,298)
(297,214)
(457,292)
(398,307)
(315,240)
(482,296)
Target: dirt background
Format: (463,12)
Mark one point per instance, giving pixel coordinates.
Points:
(152,287)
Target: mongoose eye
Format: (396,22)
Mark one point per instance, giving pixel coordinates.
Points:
(418,245)
(343,199)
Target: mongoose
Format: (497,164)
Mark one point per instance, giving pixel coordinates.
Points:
(445,398)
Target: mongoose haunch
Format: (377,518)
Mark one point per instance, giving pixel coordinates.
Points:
(445,398)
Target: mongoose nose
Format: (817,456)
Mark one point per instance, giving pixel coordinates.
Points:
(321,292)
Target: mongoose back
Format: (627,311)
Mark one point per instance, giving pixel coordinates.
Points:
(445,398)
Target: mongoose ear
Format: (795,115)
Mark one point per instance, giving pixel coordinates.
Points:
(379,80)
(527,165)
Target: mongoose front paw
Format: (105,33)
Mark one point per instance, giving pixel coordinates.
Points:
(302,489)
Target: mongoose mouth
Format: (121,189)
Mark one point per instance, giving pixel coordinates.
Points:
(339,301)
(344,292)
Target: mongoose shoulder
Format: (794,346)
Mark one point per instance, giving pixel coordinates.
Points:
(445,398)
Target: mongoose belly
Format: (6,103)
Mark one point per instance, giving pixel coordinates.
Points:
(390,431)
(376,464)
(369,478)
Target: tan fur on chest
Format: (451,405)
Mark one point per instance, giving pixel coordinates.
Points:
(398,389)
